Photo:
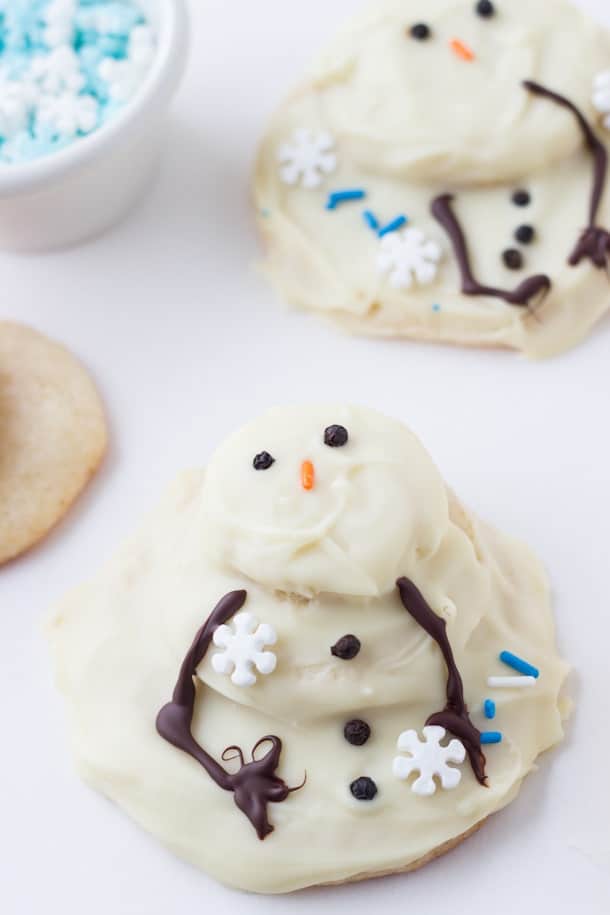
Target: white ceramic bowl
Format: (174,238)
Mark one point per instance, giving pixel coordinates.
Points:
(83,190)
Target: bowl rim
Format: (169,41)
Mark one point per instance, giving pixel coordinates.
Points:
(160,82)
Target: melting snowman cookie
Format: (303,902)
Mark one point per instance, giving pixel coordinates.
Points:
(289,674)
(442,175)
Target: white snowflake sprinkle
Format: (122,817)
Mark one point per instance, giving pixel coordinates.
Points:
(243,645)
(430,759)
(601,96)
(112,19)
(58,18)
(67,115)
(408,256)
(142,45)
(124,77)
(15,106)
(58,71)
(307,158)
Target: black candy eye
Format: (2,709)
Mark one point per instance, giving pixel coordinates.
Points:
(485,8)
(263,461)
(336,436)
(420,31)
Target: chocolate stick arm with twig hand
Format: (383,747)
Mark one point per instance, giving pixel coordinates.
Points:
(594,241)
(529,289)
(255,784)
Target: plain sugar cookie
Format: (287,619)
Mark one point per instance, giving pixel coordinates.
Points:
(52,435)
(312,664)
(441,174)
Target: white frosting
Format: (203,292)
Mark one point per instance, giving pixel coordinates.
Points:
(410,121)
(601,96)
(119,641)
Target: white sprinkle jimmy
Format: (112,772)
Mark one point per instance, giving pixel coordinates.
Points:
(511,682)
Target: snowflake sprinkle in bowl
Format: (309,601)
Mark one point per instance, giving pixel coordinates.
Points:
(84,90)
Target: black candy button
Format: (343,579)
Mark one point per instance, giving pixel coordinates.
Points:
(513,259)
(363,789)
(336,436)
(525,234)
(420,31)
(485,9)
(346,648)
(357,732)
(263,461)
(522,198)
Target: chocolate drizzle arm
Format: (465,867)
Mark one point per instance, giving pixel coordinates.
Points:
(522,295)
(594,145)
(454,717)
(255,784)
(594,242)
(174,720)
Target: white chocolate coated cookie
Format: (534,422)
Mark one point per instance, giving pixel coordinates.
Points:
(356,669)
(406,120)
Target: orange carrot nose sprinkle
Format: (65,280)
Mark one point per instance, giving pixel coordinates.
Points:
(461,50)
(308,475)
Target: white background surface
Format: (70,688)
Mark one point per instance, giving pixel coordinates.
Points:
(187,343)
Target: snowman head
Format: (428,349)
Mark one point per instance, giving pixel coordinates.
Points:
(323,499)
(432,89)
